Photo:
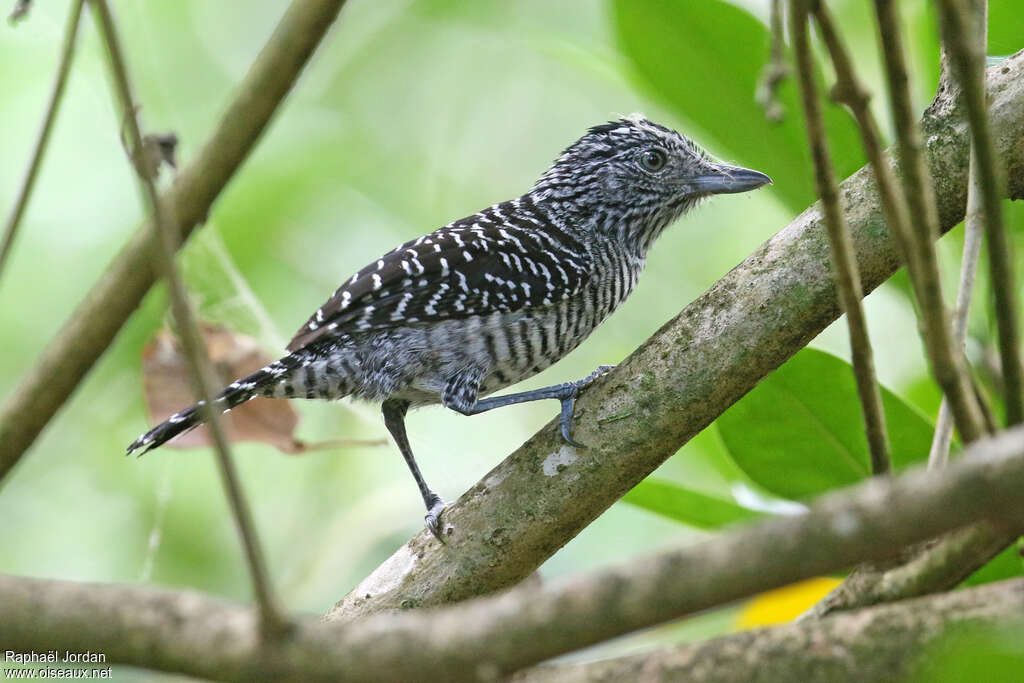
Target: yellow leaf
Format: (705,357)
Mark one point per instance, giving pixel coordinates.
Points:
(784,604)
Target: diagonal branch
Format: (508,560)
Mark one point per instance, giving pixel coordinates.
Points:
(843,258)
(488,637)
(165,244)
(91,328)
(67,52)
(677,383)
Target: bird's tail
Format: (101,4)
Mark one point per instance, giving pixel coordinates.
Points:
(264,382)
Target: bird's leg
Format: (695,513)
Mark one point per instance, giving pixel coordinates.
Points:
(460,396)
(394,419)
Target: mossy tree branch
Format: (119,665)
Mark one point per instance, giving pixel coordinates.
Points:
(485,638)
(884,643)
(677,383)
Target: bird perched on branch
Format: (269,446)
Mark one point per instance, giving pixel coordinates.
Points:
(496,297)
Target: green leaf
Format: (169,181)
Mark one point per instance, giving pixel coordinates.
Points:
(800,432)
(1005,27)
(686,505)
(703,60)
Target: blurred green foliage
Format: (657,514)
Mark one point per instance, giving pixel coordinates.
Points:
(973,654)
(1005,27)
(414,113)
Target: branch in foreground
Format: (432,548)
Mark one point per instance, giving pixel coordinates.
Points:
(63,69)
(165,243)
(843,258)
(487,637)
(939,566)
(91,328)
(882,643)
(875,644)
(677,383)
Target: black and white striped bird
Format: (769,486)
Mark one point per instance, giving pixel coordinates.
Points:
(496,297)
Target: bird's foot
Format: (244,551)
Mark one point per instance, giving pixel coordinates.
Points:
(435,507)
(569,402)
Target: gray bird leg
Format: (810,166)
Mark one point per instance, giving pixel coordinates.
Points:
(460,396)
(394,419)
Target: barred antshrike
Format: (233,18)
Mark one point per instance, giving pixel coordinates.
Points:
(495,297)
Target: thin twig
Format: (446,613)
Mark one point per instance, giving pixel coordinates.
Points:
(974,231)
(199,363)
(863,582)
(946,358)
(20,11)
(921,263)
(775,71)
(105,307)
(967,58)
(845,262)
(849,91)
(63,69)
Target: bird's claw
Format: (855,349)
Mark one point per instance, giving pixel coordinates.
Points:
(569,403)
(433,517)
(565,421)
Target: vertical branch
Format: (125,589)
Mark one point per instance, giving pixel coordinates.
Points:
(946,563)
(775,71)
(938,455)
(845,263)
(946,359)
(974,230)
(849,91)
(852,93)
(165,245)
(967,58)
(63,69)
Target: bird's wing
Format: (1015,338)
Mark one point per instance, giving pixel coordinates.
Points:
(474,266)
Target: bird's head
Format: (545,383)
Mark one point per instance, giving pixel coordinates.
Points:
(631,178)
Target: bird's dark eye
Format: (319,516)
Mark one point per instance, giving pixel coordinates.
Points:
(653,160)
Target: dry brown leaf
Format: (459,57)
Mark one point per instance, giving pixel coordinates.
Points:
(168,388)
